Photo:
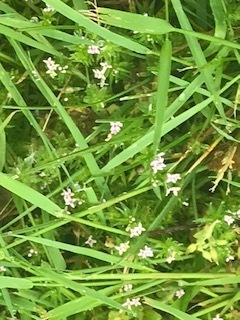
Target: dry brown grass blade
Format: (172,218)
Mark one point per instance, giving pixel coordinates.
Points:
(227,164)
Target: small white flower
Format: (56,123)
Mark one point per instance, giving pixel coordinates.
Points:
(90,241)
(67,193)
(179,293)
(127,304)
(174,190)
(68,198)
(146,252)
(48,8)
(237,214)
(52,67)
(93,49)
(34,20)
(2,269)
(217,317)
(105,66)
(98,74)
(115,128)
(137,231)
(70,202)
(158,163)
(32,252)
(171,257)
(229,258)
(123,247)
(127,287)
(134,302)
(228,219)
(63,69)
(173,178)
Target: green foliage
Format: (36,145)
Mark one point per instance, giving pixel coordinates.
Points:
(115,123)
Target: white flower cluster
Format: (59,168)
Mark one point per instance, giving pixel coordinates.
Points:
(48,8)
(123,247)
(132,302)
(93,49)
(100,74)
(217,317)
(115,128)
(68,198)
(2,269)
(231,217)
(32,252)
(136,231)
(179,293)
(171,256)
(53,67)
(146,252)
(158,163)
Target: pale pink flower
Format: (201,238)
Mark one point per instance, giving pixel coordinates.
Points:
(115,128)
(93,49)
(228,219)
(158,163)
(68,198)
(146,252)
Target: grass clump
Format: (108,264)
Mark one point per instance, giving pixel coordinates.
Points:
(119,160)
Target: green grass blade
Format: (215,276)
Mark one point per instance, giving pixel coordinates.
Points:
(119,19)
(168,309)
(147,139)
(15,283)
(134,22)
(29,194)
(198,56)
(15,94)
(82,21)
(9,33)
(220,16)
(162,91)
(2,146)
(76,286)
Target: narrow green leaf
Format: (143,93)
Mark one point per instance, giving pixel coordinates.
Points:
(135,22)
(29,194)
(15,283)
(168,309)
(162,91)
